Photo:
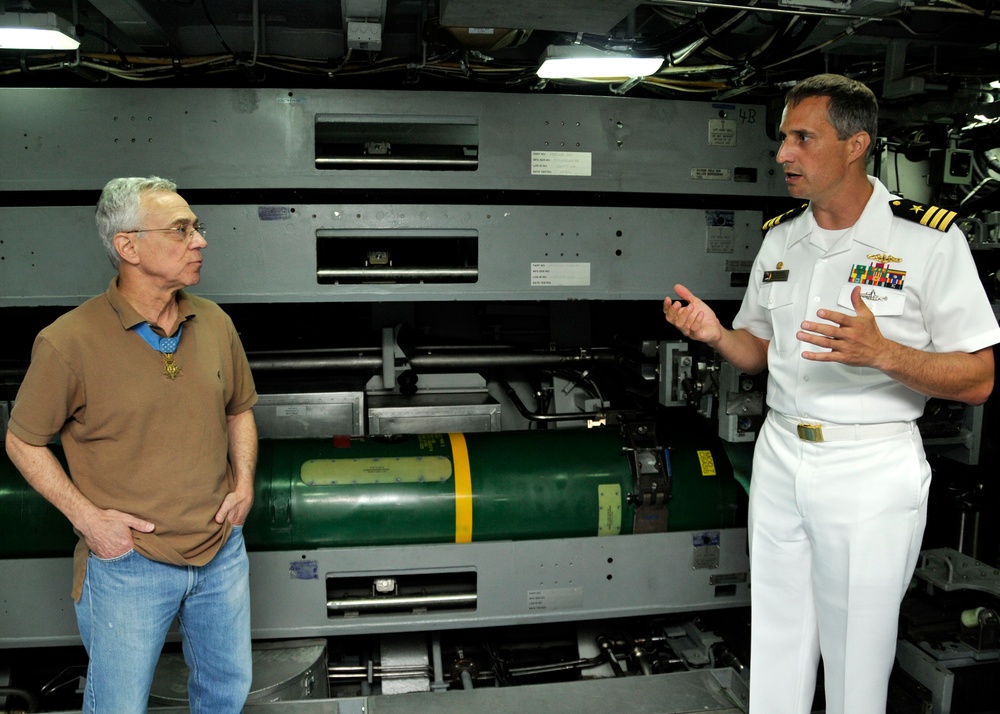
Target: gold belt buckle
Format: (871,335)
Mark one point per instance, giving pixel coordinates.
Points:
(811,432)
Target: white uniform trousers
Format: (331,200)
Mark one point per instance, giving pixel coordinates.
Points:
(835,531)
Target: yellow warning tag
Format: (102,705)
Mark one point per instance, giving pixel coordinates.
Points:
(707,463)
(609,503)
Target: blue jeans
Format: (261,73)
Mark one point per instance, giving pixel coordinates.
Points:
(127,606)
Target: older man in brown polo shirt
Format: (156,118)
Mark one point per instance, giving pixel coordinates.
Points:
(149,390)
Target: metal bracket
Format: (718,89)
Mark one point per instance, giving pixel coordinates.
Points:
(651,470)
(675,367)
(741,404)
(364,21)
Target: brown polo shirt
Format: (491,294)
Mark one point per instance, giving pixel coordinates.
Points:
(136,440)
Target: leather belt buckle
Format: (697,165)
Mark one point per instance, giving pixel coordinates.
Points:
(810,432)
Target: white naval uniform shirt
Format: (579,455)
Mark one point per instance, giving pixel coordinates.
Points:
(939,306)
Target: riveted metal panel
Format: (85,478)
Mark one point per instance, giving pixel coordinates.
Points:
(51,255)
(76,139)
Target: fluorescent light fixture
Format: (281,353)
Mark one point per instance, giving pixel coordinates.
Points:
(578,62)
(36,31)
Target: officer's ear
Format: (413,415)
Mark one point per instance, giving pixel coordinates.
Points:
(858,145)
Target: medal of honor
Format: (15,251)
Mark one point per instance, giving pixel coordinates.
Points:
(170,368)
(167,346)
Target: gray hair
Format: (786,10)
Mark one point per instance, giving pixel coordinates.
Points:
(119,207)
(852,106)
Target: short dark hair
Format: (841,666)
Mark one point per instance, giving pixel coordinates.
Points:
(852,106)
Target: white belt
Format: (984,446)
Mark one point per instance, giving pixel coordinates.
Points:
(812,431)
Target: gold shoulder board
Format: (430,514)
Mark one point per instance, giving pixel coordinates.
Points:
(787,215)
(926,215)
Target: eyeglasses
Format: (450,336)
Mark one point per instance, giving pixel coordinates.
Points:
(180,233)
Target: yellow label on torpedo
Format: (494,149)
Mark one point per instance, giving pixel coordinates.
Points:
(609,502)
(395,469)
(707,463)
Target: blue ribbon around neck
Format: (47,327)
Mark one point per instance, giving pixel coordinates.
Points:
(166,345)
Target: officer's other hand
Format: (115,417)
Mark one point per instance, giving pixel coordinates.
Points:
(852,339)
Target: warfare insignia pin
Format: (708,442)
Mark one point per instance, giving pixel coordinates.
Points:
(884,258)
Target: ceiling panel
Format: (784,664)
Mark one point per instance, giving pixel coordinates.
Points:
(593,16)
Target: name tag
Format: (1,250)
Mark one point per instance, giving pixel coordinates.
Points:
(775,276)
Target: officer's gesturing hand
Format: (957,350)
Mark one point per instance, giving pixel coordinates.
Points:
(695,320)
(855,340)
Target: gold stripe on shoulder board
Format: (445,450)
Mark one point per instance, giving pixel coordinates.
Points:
(787,214)
(939,218)
(931,216)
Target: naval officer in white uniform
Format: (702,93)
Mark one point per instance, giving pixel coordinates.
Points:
(861,306)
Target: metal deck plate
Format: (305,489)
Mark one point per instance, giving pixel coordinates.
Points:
(675,693)
(715,691)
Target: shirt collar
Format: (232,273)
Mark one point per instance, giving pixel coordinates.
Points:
(877,219)
(130,317)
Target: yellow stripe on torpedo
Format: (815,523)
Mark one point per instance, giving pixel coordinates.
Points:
(463,488)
